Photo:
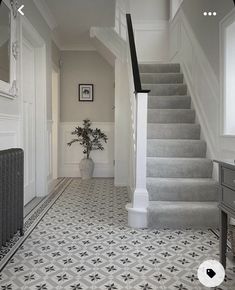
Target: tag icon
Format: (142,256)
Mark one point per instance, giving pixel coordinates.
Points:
(211,273)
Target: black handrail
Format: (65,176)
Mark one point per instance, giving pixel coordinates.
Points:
(134,60)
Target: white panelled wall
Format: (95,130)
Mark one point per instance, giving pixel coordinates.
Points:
(203,87)
(9,131)
(152,41)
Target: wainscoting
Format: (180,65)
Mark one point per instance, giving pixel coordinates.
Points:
(204,88)
(9,131)
(201,80)
(152,41)
(69,157)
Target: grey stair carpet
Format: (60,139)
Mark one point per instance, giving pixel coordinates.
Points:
(181,190)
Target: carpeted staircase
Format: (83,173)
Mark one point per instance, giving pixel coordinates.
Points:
(179,176)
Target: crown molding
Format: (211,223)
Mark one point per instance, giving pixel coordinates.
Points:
(46,13)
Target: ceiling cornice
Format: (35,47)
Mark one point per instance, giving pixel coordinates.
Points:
(46,13)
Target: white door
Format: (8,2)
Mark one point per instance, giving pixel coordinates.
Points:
(28,95)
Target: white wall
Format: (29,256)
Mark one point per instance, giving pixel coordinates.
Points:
(150,20)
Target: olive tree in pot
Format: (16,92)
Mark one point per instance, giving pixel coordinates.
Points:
(90,139)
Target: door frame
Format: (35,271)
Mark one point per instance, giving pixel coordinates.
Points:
(55,124)
(28,32)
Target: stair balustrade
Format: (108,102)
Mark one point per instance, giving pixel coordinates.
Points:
(137,210)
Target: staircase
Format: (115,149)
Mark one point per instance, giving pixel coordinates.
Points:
(181,190)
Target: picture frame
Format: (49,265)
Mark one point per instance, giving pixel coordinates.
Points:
(86,92)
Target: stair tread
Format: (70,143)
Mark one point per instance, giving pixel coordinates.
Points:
(161,73)
(173,111)
(193,159)
(182,180)
(174,204)
(177,141)
(166,85)
(170,96)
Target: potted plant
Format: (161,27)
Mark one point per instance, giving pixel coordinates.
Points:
(90,139)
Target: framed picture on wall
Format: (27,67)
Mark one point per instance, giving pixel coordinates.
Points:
(86,92)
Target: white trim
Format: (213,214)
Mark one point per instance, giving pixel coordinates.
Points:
(46,13)
(137,217)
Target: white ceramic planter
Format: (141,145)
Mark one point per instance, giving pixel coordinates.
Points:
(86,168)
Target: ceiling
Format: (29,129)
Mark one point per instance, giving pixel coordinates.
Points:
(73,19)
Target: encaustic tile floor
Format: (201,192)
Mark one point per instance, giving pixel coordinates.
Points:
(81,241)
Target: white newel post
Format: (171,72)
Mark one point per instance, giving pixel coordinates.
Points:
(137,211)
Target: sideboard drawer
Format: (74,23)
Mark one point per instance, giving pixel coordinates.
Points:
(228,197)
(228,177)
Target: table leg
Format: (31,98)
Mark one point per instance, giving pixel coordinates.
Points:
(223,237)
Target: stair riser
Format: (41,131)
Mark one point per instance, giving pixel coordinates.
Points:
(193,192)
(169,102)
(171,116)
(176,149)
(162,78)
(166,90)
(179,169)
(175,219)
(159,68)
(169,131)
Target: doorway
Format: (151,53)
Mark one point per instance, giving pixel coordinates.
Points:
(33,111)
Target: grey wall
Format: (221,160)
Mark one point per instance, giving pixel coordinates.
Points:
(149,10)
(86,67)
(206,29)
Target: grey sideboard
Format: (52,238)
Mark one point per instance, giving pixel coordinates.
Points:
(226,203)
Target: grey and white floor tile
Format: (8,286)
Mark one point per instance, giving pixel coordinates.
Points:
(83,242)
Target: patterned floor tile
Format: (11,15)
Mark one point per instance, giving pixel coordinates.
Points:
(83,242)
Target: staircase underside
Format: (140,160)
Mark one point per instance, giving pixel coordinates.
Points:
(182,193)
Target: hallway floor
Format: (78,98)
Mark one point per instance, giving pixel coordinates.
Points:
(80,240)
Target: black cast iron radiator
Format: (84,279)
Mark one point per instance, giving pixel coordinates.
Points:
(11,194)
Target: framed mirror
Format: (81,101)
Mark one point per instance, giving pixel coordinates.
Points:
(8,49)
